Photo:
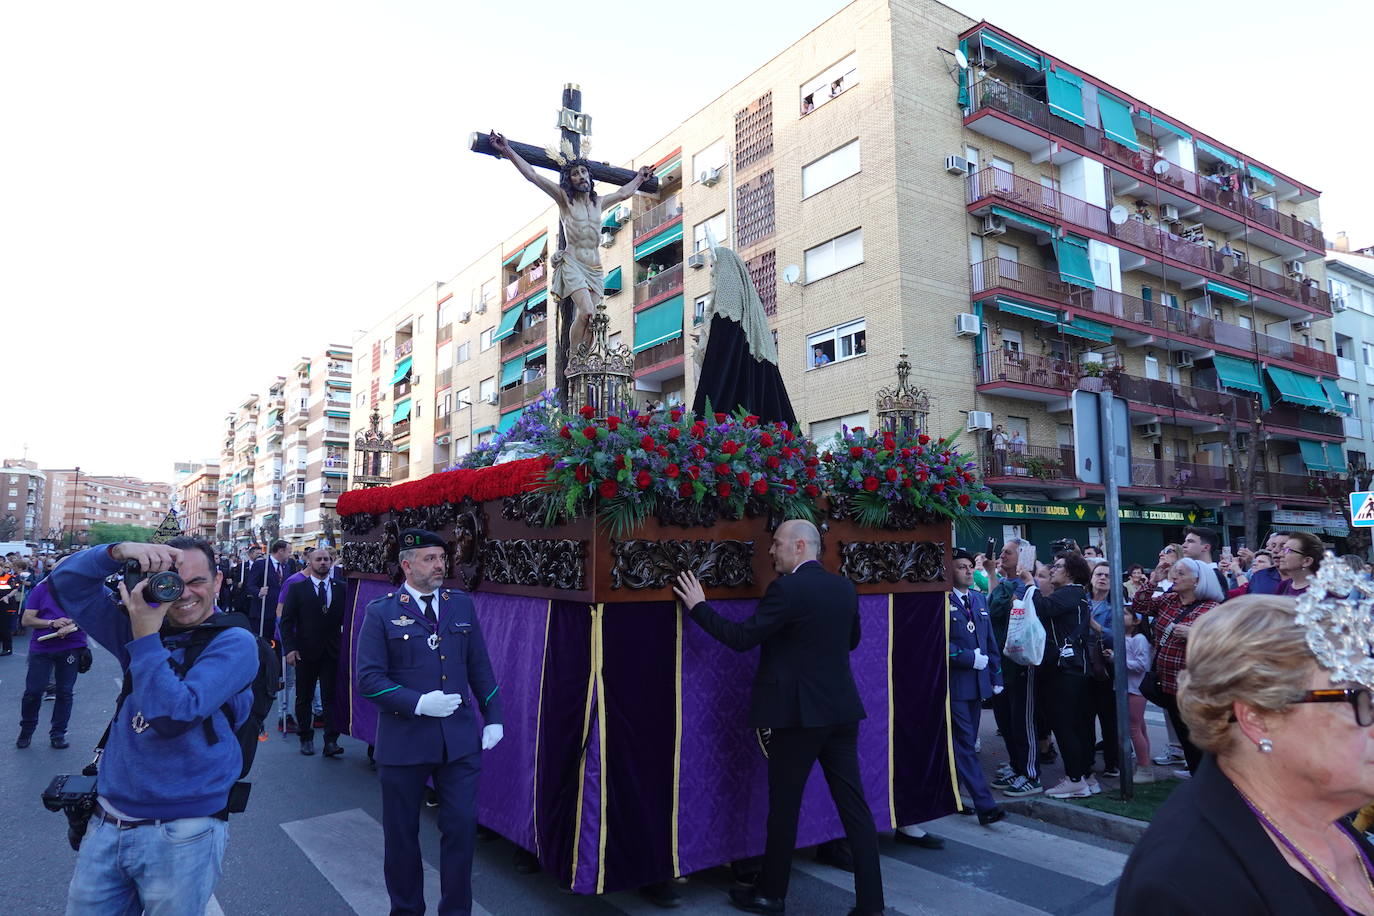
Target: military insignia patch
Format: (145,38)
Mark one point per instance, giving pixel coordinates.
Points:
(402,621)
(405,599)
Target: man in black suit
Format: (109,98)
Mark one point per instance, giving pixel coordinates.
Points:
(262,582)
(311,621)
(804,692)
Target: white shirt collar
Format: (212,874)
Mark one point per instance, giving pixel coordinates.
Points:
(963,596)
(414,594)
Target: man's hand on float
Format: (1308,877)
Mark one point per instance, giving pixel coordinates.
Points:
(688,590)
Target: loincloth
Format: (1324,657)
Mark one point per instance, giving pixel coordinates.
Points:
(571,275)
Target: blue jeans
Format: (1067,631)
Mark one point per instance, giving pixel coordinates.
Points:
(44,667)
(166,869)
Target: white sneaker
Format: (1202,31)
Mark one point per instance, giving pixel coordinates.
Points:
(1171,757)
(1183,774)
(1142,775)
(1070,788)
(1093,786)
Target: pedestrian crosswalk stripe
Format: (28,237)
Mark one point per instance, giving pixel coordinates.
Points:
(915,891)
(346,847)
(1068,857)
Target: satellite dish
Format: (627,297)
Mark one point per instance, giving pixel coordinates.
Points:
(790,273)
(961,59)
(1119,215)
(1161,167)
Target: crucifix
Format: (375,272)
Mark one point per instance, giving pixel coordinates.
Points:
(577,281)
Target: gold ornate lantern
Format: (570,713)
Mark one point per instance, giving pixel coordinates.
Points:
(599,374)
(903,410)
(372,453)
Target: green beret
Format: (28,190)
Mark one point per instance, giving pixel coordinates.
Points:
(413,538)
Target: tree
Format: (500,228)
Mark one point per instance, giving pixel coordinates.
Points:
(107,533)
(9,527)
(1247,461)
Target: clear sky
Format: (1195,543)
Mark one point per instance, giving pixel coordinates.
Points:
(197,194)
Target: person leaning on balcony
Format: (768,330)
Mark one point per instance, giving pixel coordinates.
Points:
(1016,443)
(1300,558)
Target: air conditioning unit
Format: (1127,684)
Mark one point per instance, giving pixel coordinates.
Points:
(465,317)
(1338,304)
(482,306)
(710,177)
(1184,360)
(1302,325)
(607,238)
(491,399)
(697,261)
(993,225)
(443,440)
(979,419)
(1168,213)
(1150,430)
(956,165)
(968,325)
(623,215)
(1295,268)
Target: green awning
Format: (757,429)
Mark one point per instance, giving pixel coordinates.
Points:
(480,430)
(659,323)
(1230,292)
(1030,222)
(1261,175)
(510,371)
(509,319)
(608,220)
(613,283)
(508,420)
(402,411)
(1224,156)
(1313,455)
(1026,310)
(1087,329)
(1015,52)
(1116,120)
(1072,252)
(1335,457)
(1337,396)
(1066,96)
(1171,128)
(532,252)
(1241,374)
(511,257)
(963,77)
(536,353)
(669,167)
(664,238)
(402,370)
(537,298)
(1297,388)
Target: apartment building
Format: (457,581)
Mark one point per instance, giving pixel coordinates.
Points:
(23,491)
(1350,279)
(76,500)
(284,458)
(197,499)
(1015,225)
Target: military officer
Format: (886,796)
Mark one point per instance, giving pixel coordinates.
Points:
(975,675)
(422,660)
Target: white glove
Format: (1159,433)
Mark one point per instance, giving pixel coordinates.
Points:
(996,689)
(438,704)
(491,735)
(980,661)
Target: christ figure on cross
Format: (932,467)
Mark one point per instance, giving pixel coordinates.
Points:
(577,273)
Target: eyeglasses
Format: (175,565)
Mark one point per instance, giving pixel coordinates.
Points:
(1360,699)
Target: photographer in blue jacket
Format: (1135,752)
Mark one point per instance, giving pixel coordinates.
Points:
(157,837)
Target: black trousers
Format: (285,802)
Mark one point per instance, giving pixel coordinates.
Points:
(1104,712)
(403,797)
(791,753)
(1071,715)
(323,671)
(1191,752)
(1014,710)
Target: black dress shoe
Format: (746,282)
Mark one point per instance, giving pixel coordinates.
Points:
(991,816)
(525,862)
(966,811)
(662,893)
(60,742)
(308,747)
(929,841)
(332,749)
(751,902)
(23,741)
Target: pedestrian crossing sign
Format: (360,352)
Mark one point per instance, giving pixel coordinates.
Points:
(1362,509)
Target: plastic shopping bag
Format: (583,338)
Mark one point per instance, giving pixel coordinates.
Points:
(1025,632)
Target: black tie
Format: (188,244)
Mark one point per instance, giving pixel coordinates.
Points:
(319,586)
(429,609)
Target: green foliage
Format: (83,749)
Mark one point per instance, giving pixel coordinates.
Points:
(107,533)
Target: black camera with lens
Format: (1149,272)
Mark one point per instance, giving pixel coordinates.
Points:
(162,587)
(75,796)
(1064,544)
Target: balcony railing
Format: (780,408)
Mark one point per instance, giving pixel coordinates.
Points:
(658,353)
(404,349)
(443,379)
(445,334)
(516,395)
(1001,185)
(1168,396)
(534,333)
(523,285)
(1045,284)
(1291,416)
(400,472)
(989,93)
(1032,462)
(662,283)
(400,428)
(1026,369)
(663,213)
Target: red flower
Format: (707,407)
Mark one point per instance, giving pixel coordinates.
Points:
(662,452)
(608,489)
(939,488)
(906,453)
(698,429)
(774,462)
(751,420)
(675,414)
(982,506)
(743,477)
(620,462)
(722,468)
(672,470)
(923,439)
(856,451)
(587,411)
(693,471)
(922,476)
(698,452)
(723,489)
(891,475)
(870,484)
(647,443)
(644,480)
(788,435)
(684,489)
(720,418)
(812,490)
(674,434)
(810,473)
(612,423)
(760,486)
(765,440)
(644,420)
(813,461)
(589,433)
(963,499)
(582,473)
(729,447)
(565,432)
(889,443)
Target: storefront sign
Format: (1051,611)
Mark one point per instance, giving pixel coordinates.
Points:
(1093,514)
